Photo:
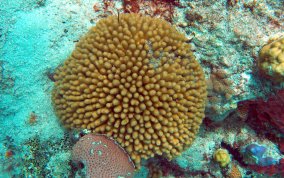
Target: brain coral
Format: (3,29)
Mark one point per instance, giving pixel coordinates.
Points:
(135,79)
(271,60)
(102,157)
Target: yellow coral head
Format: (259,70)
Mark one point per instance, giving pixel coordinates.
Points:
(222,157)
(271,60)
(135,80)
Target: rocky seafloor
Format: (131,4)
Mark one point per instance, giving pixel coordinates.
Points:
(244,114)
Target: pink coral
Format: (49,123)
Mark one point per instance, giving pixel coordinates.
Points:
(103,157)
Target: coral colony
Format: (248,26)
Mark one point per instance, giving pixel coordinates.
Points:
(142,89)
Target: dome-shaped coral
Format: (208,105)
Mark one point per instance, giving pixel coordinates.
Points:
(134,79)
(222,157)
(271,60)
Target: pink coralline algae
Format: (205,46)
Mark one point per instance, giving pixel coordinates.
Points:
(269,115)
(102,157)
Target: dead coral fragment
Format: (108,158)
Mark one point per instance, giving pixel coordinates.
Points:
(135,80)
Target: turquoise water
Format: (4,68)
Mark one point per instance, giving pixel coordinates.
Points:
(36,36)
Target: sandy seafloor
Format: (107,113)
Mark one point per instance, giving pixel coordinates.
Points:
(38,35)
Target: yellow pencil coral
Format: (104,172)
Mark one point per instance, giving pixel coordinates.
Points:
(222,157)
(133,78)
(271,60)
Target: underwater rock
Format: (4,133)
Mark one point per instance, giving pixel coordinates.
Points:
(255,154)
(267,116)
(58,164)
(255,150)
(276,169)
(267,161)
(224,41)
